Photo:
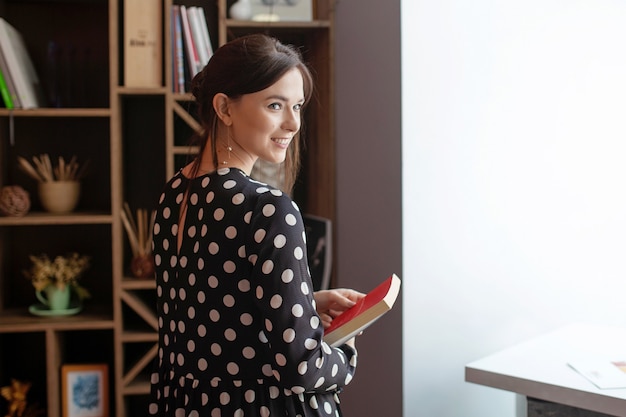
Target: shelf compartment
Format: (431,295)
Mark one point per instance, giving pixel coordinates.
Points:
(26,361)
(141,364)
(77,75)
(16,291)
(143,123)
(140,305)
(87,139)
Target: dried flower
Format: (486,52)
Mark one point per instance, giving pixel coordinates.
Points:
(62,271)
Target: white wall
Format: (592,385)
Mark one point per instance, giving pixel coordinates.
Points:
(514,195)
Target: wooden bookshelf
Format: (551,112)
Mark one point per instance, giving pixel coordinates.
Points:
(125,132)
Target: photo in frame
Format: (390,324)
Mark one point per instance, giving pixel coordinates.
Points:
(85,390)
(282,10)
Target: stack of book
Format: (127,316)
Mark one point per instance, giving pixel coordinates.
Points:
(19,83)
(191,45)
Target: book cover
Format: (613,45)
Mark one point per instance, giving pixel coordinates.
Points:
(142,44)
(360,316)
(4,92)
(20,67)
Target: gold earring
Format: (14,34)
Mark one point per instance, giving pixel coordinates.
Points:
(228,148)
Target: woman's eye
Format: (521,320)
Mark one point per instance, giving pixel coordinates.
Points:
(275,106)
(297,107)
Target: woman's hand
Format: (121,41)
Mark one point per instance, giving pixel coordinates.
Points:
(331,303)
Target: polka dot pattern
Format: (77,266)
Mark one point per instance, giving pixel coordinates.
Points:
(238,330)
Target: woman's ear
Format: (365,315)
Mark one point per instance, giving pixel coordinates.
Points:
(221,107)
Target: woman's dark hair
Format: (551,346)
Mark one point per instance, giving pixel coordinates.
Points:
(242,66)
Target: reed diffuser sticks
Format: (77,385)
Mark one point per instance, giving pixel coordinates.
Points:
(42,170)
(139,230)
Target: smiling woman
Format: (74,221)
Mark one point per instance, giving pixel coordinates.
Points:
(261,124)
(240,323)
(218,93)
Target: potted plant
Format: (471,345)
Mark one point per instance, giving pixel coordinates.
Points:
(56,279)
(58,185)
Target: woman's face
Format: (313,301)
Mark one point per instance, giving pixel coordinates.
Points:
(265,122)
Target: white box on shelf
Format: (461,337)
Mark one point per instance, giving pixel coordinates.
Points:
(142,43)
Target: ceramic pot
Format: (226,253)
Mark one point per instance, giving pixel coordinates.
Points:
(55,298)
(59,196)
(241,10)
(142,266)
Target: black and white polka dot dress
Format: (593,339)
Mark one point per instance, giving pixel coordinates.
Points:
(238,332)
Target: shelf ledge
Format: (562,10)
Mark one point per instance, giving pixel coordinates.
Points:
(312,24)
(57,112)
(43,218)
(21,321)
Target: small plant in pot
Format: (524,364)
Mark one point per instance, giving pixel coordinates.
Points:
(56,280)
(58,185)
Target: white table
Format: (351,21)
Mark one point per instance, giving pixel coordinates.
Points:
(538,369)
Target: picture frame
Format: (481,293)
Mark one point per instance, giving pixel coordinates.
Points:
(282,10)
(85,390)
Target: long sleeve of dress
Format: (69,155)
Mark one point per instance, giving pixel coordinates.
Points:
(301,362)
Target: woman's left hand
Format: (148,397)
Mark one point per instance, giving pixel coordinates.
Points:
(331,303)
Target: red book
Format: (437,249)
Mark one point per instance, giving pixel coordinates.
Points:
(365,312)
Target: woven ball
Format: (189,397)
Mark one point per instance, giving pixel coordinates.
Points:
(14,201)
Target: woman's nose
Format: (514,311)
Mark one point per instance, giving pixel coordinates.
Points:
(292,121)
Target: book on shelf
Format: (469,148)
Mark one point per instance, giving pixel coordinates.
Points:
(20,67)
(365,312)
(193,14)
(4,93)
(4,68)
(178,55)
(205,31)
(142,44)
(190,48)
(201,37)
